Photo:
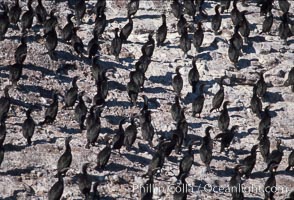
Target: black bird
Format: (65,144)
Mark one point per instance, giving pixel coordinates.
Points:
(182,23)
(284,5)
(56,190)
(133,7)
(27,18)
(2,132)
(130,135)
(103,156)
(99,98)
(15,73)
(225,5)
(80,9)
(233,52)
(265,122)
(224,118)
(100,5)
(116,45)
(5,102)
(176,8)
(51,43)
(28,127)
(81,111)
(161,32)
(93,47)
(290,79)
(237,40)
(2,151)
(218,97)
(143,63)
(244,26)
(71,95)
(235,14)
(77,42)
(147,189)
(270,187)
(255,103)
(167,146)
(193,75)
(14,13)
(138,76)
(4,20)
(21,51)
(148,48)
(190,8)
(133,90)
(84,181)
(227,137)
(284,29)
(197,104)
(264,146)
(156,163)
(100,23)
(186,163)
(97,68)
(182,130)
(65,159)
(67,31)
(216,20)
(275,157)
(267,23)
(147,130)
(181,194)
(206,148)
(176,109)
(118,139)
(198,36)
(177,82)
(266,6)
(51,111)
(235,184)
(185,42)
(249,162)
(93,124)
(40,12)
(290,161)
(96,195)
(126,30)
(51,22)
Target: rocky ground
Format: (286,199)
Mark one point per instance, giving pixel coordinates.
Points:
(27,172)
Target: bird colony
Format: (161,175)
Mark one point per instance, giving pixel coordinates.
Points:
(137,99)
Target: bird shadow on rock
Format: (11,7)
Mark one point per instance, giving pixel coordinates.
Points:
(248,49)
(37,89)
(71,131)
(224,158)
(113,119)
(146,16)
(164,80)
(127,60)
(67,56)
(116,167)
(118,19)
(114,103)
(257,39)
(18,171)
(10,147)
(116,85)
(273,97)
(43,70)
(135,158)
(205,56)
(154,90)
(42,141)
(24,104)
(245,63)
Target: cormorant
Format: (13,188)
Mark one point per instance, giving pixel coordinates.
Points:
(28,127)
(235,184)
(233,52)
(161,32)
(206,148)
(40,12)
(77,42)
(284,5)
(265,122)
(182,127)
(14,13)
(225,5)
(144,62)
(176,8)
(177,82)
(167,146)
(266,6)
(103,156)
(244,26)
(237,39)
(197,104)
(275,157)
(116,45)
(235,14)
(97,68)
(93,47)
(2,151)
(51,43)
(2,132)
(185,42)
(198,36)
(224,118)
(71,95)
(290,79)
(5,102)
(216,20)
(249,162)
(80,9)
(270,187)
(190,8)
(15,73)
(145,113)
(255,103)
(268,22)
(99,98)
(96,195)
(218,97)
(67,31)
(147,189)
(284,29)
(147,130)
(193,75)
(138,76)
(4,20)
(118,139)
(100,23)
(290,161)
(181,194)
(156,163)
(186,162)
(148,48)
(176,109)
(56,190)
(21,51)
(84,181)
(65,159)
(93,124)
(51,22)
(181,24)
(81,111)
(133,90)
(51,111)
(130,135)
(264,146)
(100,5)
(126,30)
(227,137)
(133,7)
(27,18)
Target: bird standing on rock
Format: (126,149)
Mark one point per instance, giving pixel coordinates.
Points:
(21,51)
(84,181)
(65,159)
(161,32)
(133,7)
(227,137)
(67,31)
(218,98)
(249,162)
(206,148)
(177,82)
(198,36)
(4,20)
(28,127)
(116,45)
(216,20)
(27,18)
(5,103)
(56,190)
(255,103)
(81,111)
(193,75)
(148,48)
(290,161)
(71,95)
(290,79)
(224,118)
(51,111)
(197,104)
(40,12)
(103,156)
(185,42)
(126,30)
(14,13)
(93,126)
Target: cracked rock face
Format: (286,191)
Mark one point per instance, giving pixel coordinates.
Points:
(27,172)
